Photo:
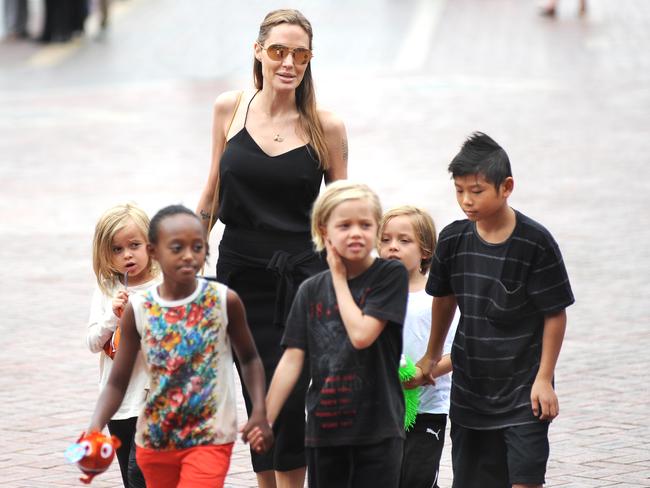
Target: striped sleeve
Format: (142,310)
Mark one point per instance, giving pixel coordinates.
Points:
(439,281)
(548,284)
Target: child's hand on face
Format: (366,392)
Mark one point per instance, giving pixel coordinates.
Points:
(119,302)
(334,261)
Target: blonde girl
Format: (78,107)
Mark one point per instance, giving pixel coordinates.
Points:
(188,329)
(408,234)
(347,321)
(122,266)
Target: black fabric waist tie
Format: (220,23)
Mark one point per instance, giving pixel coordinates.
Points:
(286,268)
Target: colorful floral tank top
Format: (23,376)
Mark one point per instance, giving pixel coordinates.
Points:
(187,351)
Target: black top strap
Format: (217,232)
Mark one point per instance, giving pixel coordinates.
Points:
(249,106)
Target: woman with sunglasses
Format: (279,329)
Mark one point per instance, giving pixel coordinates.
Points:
(272,148)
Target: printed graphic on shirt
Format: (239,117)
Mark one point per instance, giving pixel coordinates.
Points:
(337,392)
(181,345)
(355,396)
(337,408)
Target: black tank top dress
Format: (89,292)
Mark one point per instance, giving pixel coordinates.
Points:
(265,253)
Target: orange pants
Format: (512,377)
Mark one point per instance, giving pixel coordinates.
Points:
(195,467)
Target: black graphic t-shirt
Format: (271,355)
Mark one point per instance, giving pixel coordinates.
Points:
(355,396)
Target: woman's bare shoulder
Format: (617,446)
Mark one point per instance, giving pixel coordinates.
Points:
(332,123)
(225,103)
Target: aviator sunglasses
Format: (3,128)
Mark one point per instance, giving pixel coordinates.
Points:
(277,52)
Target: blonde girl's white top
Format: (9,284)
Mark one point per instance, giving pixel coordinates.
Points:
(101,325)
(187,351)
(417,328)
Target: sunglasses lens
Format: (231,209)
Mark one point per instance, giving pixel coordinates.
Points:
(276,52)
(302,56)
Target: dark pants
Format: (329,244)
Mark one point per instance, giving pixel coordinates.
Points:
(63,19)
(499,458)
(124,430)
(15,13)
(364,466)
(422,451)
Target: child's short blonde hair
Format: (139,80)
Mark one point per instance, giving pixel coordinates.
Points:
(109,224)
(335,194)
(423,227)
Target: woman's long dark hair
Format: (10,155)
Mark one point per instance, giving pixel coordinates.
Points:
(305,93)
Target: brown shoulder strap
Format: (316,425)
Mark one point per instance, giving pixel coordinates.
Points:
(215,199)
(234,113)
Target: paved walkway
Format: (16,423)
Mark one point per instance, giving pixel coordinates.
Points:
(89,124)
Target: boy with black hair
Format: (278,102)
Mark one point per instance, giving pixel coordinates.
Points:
(506,274)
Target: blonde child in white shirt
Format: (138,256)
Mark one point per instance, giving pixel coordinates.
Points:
(408,234)
(122,267)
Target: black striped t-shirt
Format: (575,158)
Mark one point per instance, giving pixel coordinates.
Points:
(503,291)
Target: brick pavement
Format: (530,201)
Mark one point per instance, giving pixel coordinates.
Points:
(567,98)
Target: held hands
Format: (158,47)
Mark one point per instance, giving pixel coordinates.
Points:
(544,400)
(427,366)
(258,433)
(417,380)
(119,302)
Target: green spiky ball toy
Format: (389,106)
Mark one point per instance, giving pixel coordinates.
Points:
(412,396)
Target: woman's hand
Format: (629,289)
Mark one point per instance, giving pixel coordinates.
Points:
(119,302)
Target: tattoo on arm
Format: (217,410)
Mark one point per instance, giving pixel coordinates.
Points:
(344,147)
(205,215)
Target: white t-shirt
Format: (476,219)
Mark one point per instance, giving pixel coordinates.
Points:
(101,325)
(417,328)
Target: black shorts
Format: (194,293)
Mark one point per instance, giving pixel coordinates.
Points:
(422,451)
(362,466)
(499,458)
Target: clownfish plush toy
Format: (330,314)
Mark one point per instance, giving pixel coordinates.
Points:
(93,453)
(111,345)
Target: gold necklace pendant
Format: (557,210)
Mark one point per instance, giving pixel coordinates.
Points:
(278,138)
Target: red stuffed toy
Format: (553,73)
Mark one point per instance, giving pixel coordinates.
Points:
(93,453)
